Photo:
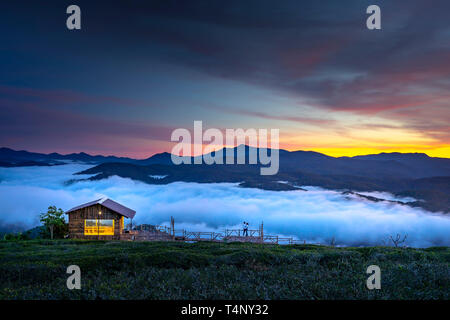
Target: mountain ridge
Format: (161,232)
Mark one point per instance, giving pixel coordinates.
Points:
(383,165)
(416,175)
(9,153)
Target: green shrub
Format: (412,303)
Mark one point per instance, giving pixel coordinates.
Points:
(36,269)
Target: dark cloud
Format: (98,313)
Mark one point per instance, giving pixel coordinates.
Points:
(298,119)
(41,113)
(318,52)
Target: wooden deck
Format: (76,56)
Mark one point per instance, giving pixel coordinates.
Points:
(146,235)
(163,233)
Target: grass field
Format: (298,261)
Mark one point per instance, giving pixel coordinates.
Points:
(36,269)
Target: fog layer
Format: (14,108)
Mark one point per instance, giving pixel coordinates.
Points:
(316,215)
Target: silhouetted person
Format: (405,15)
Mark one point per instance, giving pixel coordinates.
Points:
(245,229)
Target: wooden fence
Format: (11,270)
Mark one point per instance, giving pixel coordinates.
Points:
(229,235)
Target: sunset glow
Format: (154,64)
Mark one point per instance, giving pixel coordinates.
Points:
(312,70)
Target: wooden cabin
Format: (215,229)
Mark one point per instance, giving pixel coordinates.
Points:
(102,219)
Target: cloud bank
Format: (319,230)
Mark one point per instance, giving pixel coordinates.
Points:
(316,215)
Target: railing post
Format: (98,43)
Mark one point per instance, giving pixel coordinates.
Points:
(172,224)
(262,231)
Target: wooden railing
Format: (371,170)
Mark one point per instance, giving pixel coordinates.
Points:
(257,236)
(240,233)
(164,229)
(202,236)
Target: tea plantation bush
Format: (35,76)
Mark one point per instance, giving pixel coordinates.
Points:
(36,269)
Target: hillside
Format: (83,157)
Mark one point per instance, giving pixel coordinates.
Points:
(154,270)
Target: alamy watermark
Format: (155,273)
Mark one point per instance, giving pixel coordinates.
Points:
(374,280)
(73,21)
(74,280)
(192,151)
(373,22)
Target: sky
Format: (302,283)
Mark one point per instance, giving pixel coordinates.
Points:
(137,70)
(316,215)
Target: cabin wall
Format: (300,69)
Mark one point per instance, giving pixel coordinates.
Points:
(76,222)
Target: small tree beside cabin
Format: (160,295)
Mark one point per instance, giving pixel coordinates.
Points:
(53,220)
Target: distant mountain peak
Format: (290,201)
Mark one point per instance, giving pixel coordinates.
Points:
(406,154)
(393,156)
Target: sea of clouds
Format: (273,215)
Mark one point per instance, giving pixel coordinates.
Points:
(316,215)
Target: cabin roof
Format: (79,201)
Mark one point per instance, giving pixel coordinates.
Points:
(110,204)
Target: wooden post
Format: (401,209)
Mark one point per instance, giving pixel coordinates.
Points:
(259,233)
(172,224)
(262,232)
